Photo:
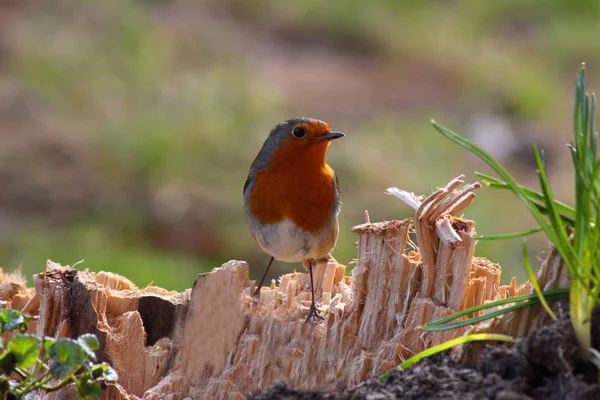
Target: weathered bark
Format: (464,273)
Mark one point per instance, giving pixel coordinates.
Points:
(216,341)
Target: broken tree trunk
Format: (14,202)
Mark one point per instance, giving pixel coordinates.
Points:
(216,341)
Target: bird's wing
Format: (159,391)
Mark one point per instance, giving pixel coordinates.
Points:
(336,183)
(246,184)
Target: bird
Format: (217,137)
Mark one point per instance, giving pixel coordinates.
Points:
(292,198)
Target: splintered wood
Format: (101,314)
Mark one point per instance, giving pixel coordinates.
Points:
(215,341)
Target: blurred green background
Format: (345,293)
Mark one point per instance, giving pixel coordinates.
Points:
(127,127)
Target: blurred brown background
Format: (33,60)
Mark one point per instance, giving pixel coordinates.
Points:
(127,127)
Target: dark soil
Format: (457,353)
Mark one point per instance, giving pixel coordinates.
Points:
(546,365)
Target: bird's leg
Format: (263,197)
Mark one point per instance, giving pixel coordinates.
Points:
(257,291)
(314,312)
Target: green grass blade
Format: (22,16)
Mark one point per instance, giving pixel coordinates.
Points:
(480,318)
(478,152)
(567,220)
(579,94)
(585,241)
(447,345)
(579,157)
(504,236)
(455,342)
(556,235)
(553,229)
(496,167)
(592,128)
(556,232)
(586,121)
(553,293)
(573,231)
(497,183)
(535,283)
(595,357)
(578,305)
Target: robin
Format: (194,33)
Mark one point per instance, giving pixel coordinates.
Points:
(291,197)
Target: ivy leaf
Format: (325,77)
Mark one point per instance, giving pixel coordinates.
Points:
(48,342)
(29,318)
(111,375)
(25,348)
(4,384)
(66,357)
(26,320)
(8,362)
(10,319)
(88,390)
(89,343)
(104,370)
(91,340)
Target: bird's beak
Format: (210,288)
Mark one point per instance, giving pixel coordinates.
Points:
(331,136)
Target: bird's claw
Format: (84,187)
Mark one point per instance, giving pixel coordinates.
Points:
(255,297)
(314,315)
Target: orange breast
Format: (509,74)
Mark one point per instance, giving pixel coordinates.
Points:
(298,185)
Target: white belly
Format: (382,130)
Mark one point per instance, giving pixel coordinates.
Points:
(286,242)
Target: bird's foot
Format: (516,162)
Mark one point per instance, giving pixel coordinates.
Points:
(314,315)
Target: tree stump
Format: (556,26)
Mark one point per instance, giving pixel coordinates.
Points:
(214,341)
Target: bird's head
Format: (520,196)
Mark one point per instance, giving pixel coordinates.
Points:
(299,139)
(303,133)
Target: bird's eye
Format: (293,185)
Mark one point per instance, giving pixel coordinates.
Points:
(299,132)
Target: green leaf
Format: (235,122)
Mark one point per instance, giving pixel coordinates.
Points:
(8,363)
(535,283)
(565,210)
(480,318)
(111,375)
(98,370)
(48,342)
(573,231)
(585,235)
(504,236)
(556,231)
(521,301)
(66,357)
(89,343)
(10,319)
(29,318)
(87,389)
(594,357)
(553,225)
(25,348)
(90,340)
(455,342)
(104,370)
(447,345)
(4,385)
